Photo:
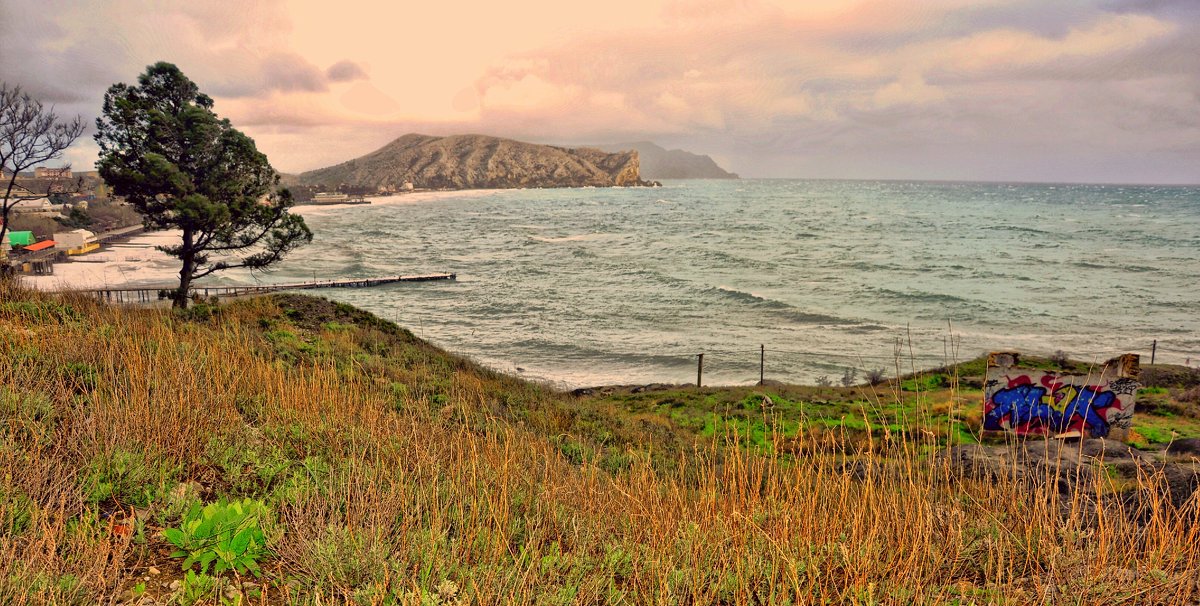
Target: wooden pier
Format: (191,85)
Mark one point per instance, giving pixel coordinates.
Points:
(150,294)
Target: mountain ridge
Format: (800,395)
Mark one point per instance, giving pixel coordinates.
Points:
(658,162)
(474,161)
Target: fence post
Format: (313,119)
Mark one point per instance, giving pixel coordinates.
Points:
(762,363)
(699,368)
(1153,350)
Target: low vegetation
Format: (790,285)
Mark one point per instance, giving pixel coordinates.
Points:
(290,450)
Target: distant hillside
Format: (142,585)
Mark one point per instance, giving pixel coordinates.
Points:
(478,162)
(660,163)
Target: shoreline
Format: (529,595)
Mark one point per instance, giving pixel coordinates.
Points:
(136,262)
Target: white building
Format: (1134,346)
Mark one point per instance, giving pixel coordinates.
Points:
(76,241)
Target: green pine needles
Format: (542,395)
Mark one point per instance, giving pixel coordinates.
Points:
(227,535)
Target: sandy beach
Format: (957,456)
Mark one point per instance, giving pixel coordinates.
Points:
(138,262)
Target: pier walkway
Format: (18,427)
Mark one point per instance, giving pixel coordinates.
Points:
(150,294)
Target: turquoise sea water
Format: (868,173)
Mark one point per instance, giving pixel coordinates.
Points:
(598,286)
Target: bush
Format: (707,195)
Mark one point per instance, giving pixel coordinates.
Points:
(1191,396)
(229,534)
(195,588)
(127,476)
(1059,358)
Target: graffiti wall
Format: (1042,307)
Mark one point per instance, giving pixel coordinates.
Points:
(1096,403)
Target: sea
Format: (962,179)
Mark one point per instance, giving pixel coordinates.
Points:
(791,280)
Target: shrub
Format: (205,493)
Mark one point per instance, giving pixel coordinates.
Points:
(228,534)
(127,476)
(195,588)
(849,377)
(1191,396)
(1059,358)
(876,376)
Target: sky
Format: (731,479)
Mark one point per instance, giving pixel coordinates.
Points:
(980,90)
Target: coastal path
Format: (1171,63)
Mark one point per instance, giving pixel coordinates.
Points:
(150,294)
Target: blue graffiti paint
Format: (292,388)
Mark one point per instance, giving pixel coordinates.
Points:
(1027,411)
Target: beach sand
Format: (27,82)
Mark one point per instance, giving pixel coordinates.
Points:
(137,262)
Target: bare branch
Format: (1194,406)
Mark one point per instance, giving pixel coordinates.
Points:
(30,134)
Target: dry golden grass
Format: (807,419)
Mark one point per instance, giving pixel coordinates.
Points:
(398,474)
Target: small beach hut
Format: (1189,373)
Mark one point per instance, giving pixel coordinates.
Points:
(76,241)
(21,238)
(43,245)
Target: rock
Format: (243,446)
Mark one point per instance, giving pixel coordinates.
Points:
(154,571)
(175,585)
(1186,446)
(1110,450)
(582,392)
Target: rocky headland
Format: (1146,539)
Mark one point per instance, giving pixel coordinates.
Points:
(478,162)
(661,163)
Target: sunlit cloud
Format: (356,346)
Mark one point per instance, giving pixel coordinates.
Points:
(961,89)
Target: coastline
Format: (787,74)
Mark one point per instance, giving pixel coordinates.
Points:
(137,262)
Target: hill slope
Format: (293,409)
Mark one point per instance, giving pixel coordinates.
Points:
(392,472)
(479,161)
(660,163)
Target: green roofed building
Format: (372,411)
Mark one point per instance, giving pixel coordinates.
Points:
(21,238)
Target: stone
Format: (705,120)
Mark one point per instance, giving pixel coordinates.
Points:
(1186,446)
(175,585)
(154,571)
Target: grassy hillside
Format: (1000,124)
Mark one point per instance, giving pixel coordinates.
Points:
(381,470)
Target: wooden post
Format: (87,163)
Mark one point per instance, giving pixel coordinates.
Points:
(699,368)
(1153,350)
(762,363)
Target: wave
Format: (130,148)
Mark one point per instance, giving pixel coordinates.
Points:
(574,238)
(921,296)
(781,309)
(1027,230)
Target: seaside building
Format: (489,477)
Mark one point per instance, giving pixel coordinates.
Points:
(76,241)
(39,246)
(43,172)
(28,202)
(20,238)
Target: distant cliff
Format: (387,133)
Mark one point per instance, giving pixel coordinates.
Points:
(660,163)
(478,162)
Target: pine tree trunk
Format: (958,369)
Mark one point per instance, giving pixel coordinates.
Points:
(185,274)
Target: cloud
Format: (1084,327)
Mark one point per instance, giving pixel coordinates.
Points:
(998,89)
(345,71)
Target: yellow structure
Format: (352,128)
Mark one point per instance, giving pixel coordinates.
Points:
(76,242)
(86,248)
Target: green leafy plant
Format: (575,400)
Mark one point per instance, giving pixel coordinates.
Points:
(195,588)
(227,535)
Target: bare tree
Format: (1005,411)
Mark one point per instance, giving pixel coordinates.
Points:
(30,134)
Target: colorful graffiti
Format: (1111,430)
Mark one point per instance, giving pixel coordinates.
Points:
(1037,402)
